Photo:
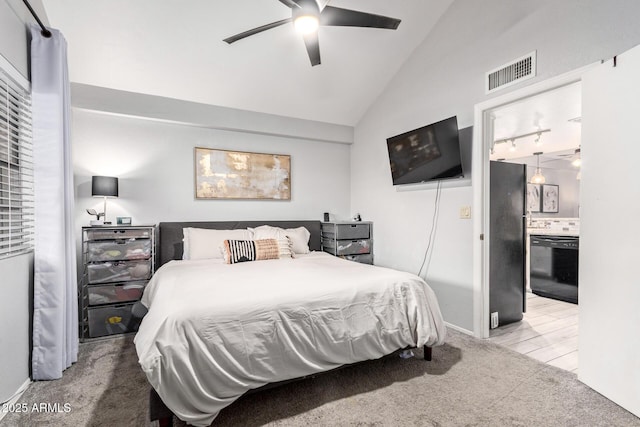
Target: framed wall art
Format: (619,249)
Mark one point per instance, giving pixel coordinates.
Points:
(533,197)
(223,174)
(550,198)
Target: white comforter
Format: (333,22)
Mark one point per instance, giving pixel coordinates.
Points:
(214,331)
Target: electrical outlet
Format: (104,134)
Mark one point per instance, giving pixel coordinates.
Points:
(465,212)
(494,320)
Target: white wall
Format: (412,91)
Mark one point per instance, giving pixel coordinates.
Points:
(609,291)
(444,77)
(15,313)
(154,163)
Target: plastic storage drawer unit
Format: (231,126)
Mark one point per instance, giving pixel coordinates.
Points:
(109,320)
(118,250)
(115,293)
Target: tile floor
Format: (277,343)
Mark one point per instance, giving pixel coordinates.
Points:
(548,332)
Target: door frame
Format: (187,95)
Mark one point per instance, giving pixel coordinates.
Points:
(482,137)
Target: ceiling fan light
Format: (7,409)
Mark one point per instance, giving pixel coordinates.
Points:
(306,24)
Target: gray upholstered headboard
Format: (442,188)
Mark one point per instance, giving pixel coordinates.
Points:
(170,234)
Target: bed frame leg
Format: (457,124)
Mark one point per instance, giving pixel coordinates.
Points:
(158,411)
(427,353)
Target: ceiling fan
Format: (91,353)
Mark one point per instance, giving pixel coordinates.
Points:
(306,15)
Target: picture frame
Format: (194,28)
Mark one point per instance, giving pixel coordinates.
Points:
(533,197)
(226,174)
(123,220)
(550,198)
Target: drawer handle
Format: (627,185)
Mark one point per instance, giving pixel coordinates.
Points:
(354,225)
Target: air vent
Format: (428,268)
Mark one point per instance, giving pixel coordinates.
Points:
(509,74)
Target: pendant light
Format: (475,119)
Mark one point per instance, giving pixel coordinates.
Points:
(538,178)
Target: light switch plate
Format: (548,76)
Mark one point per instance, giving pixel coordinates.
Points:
(465,212)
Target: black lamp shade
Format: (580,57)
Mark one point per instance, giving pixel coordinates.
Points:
(104,186)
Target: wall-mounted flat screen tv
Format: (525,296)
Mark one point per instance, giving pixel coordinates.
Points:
(429,153)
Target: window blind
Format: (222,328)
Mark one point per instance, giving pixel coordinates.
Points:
(16,169)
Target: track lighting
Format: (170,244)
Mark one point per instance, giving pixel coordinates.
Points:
(512,140)
(577,162)
(537,140)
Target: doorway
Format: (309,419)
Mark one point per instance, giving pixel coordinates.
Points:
(484,131)
(541,134)
(610,104)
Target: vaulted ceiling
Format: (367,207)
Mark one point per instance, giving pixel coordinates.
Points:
(176,49)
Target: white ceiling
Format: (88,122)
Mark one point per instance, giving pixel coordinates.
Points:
(554,110)
(175,49)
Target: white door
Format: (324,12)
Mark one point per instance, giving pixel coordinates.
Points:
(609,293)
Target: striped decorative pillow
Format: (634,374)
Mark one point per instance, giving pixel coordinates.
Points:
(250,250)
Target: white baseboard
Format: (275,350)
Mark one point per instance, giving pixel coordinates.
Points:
(18,394)
(459,329)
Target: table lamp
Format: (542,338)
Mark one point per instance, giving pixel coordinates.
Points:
(104,186)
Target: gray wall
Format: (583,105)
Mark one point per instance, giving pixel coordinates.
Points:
(16,272)
(569,192)
(154,161)
(444,77)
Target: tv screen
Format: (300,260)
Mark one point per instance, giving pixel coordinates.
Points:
(426,154)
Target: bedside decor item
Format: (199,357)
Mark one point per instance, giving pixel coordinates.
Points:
(222,174)
(104,186)
(550,197)
(123,220)
(97,221)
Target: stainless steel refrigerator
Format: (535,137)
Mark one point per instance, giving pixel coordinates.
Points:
(508,188)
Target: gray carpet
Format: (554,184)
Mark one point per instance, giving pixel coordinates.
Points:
(469,383)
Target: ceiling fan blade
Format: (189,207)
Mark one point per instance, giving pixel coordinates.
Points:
(313,48)
(256,30)
(338,17)
(289,3)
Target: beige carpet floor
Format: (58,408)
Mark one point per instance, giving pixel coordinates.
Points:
(470,382)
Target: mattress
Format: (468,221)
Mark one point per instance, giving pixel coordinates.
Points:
(214,331)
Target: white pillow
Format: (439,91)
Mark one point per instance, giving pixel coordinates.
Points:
(284,248)
(299,239)
(299,236)
(201,243)
(268,232)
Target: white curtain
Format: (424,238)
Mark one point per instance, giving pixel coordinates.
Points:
(55,303)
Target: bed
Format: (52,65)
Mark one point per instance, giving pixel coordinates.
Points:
(215,331)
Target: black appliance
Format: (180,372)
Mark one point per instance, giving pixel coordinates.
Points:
(554,267)
(508,184)
(426,154)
